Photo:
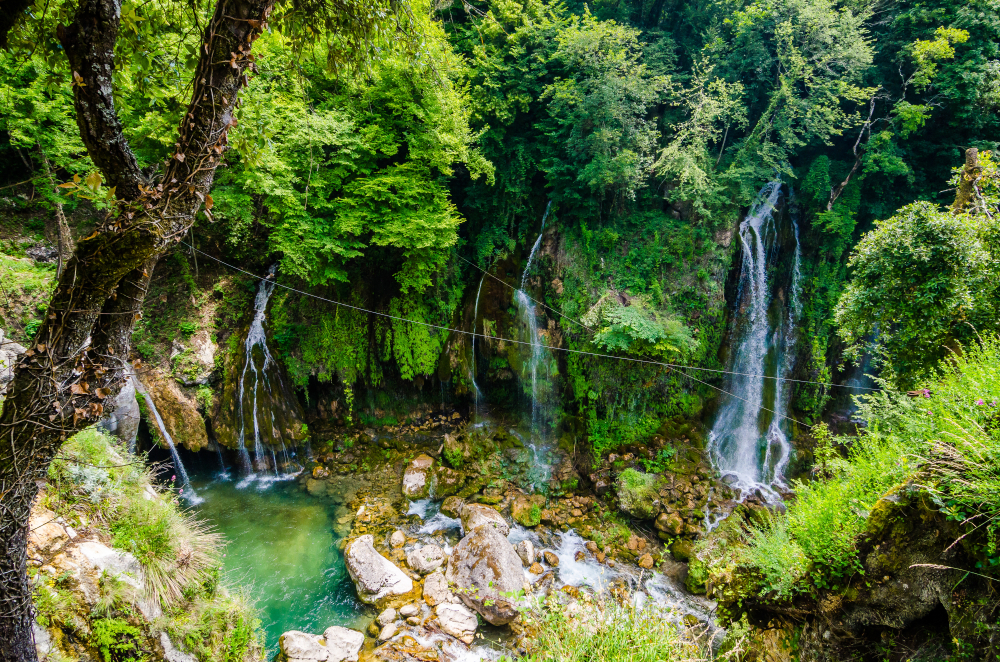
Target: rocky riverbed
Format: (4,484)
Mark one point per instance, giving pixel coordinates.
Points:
(449,556)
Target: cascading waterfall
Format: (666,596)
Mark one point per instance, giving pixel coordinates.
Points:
(537,359)
(186,490)
(750,444)
(257,338)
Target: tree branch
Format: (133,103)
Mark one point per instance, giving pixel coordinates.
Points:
(90,48)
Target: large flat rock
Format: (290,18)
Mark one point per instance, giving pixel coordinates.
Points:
(375,577)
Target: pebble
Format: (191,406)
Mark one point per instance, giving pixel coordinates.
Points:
(551,558)
(413,620)
(611,563)
(387,632)
(536,568)
(398,539)
(409,610)
(591,546)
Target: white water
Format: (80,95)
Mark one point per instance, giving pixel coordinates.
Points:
(186,490)
(748,454)
(536,360)
(257,337)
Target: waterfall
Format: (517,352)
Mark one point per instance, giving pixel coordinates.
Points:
(472,368)
(537,357)
(186,490)
(256,337)
(749,444)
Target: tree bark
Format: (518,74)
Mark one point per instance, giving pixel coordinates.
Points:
(79,360)
(967,185)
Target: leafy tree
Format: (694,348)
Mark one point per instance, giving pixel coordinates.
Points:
(926,281)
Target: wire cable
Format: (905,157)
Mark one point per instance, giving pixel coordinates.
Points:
(674,366)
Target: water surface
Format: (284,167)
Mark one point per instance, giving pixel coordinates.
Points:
(282,549)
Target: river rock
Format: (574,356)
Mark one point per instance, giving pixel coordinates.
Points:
(397,539)
(9,351)
(457,621)
(526,550)
(411,609)
(670,523)
(123,419)
(343,643)
(484,566)
(637,495)
(426,559)
(475,515)
(387,632)
(551,558)
(646,562)
(436,589)
(416,478)
(375,577)
(299,646)
(527,510)
(452,506)
(386,617)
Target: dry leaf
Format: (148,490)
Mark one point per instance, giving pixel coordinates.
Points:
(102,393)
(77,389)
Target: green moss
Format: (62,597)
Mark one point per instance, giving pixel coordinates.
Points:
(637,494)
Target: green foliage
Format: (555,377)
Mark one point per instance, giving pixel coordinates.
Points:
(607,632)
(661,462)
(117,640)
(922,281)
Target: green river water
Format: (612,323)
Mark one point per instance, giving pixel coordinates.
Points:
(282,550)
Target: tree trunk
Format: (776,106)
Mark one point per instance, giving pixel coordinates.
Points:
(967,184)
(79,359)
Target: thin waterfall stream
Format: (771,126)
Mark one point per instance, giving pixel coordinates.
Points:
(472,367)
(749,440)
(257,340)
(186,490)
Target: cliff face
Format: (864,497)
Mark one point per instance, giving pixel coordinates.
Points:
(916,593)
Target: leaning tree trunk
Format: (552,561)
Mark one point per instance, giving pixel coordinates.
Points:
(78,362)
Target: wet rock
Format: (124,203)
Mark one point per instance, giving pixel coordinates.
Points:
(551,558)
(475,515)
(457,621)
(591,546)
(387,632)
(526,550)
(646,562)
(436,589)
(670,523)
(426,559)
(637,495)
(397,539)
(9,352)
(409,610)
(452,506)
(536,568)
(485,566)
(343,643)
(299,646)
(416,478)
(178,410)
(682,550)
(447,481)
(45,534)
(527,510)
(375,577)
(386,617)
(123,420)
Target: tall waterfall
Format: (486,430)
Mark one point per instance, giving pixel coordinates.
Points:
(749,444)
(537,358)
(186,490)
(257,339)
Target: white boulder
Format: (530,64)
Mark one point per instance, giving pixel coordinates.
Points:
(375,577)
(485,567)
(303,647)
(343,643)
(416,478)
(426,559)
(458,621)
(475,515)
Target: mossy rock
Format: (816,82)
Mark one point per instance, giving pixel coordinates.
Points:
(527,510)
(697,577)
(637,494)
